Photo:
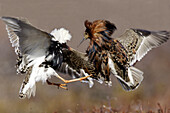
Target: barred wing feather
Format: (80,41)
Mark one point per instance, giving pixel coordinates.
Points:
(138,42)
(76,64)
(26,38)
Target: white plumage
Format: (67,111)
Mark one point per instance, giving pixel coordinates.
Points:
(62,35)
(32,47)
(41,73)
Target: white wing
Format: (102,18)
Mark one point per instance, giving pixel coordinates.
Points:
(26,38)
(31,45)
(138,42)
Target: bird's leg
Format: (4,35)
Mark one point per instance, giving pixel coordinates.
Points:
(73,80)
(64,86)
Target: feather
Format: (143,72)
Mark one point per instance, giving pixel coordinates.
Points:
(101,26)
(77,65)
(38,53)
(62,35)
(29,40)
(153,40)
(138,42)
(124,51)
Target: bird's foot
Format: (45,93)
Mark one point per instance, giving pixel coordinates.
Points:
(63,86)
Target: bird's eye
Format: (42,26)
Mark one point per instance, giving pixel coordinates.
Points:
(85,33)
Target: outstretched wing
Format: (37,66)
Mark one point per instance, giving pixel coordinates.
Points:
(77,65)
(25,38)
(138,42)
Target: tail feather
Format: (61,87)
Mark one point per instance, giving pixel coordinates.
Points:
(23,93)
(135,76)
(25,81)
(31,91)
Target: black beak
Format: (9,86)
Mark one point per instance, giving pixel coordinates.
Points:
(81,41)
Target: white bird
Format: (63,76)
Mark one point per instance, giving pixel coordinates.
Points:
(39,53)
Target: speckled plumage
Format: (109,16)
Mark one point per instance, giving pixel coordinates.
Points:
(123,52)
(41,55)
(78,65)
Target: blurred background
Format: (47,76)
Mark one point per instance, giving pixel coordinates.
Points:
(71,14)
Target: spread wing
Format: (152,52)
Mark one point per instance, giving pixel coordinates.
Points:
(138,42)
(76,64)
(25,38)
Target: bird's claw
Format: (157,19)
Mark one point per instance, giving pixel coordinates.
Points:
(63,86)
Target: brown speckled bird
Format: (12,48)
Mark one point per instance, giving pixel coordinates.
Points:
(77,64)
(118,55)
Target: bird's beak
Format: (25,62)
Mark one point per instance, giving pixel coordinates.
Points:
(82,41)
(86,36)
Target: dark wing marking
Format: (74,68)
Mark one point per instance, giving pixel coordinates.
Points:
(26,38)
(138,42)
(77,65)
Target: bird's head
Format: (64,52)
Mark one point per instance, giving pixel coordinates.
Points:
(98,29)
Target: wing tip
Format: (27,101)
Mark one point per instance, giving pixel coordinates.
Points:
(163,33)
(4,18)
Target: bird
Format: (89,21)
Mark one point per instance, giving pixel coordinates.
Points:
(77,64)
(119,55)
(39,54)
